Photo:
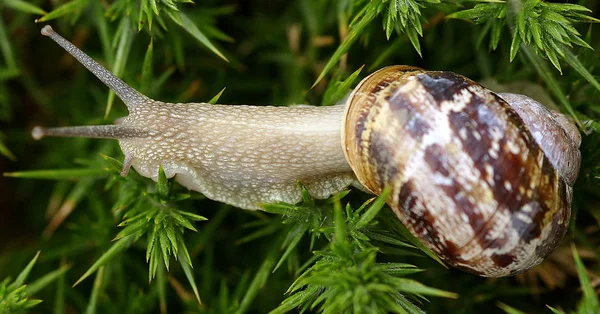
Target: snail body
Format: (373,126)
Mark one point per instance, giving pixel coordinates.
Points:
(241,155)
(486,189)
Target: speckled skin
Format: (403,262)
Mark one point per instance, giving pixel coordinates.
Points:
(469,176)
(241,155)
(466,174)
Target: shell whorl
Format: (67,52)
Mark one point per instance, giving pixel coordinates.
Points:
(466,174)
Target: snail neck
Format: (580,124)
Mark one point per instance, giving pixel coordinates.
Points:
(242,155)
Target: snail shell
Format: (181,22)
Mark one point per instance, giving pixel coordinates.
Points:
(466,174)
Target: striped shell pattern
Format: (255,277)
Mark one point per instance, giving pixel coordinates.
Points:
(467,176)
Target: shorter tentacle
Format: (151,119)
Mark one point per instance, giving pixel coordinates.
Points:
(90,131)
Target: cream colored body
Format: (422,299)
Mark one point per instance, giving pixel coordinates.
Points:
(242,155)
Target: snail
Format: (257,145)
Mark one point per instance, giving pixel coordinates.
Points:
(483,179)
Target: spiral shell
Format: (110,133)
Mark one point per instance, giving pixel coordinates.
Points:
(466,174)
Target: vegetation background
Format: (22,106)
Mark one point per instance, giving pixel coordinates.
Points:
(116,236)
